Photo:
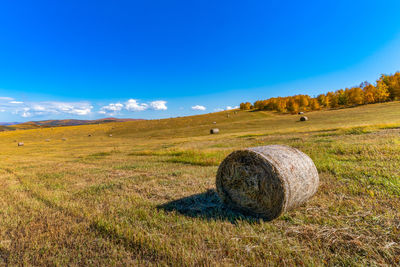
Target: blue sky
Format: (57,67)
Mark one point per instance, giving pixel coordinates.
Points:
(158,59)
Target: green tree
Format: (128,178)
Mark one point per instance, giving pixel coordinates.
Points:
(342,97)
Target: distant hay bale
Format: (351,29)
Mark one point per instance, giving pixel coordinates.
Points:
(214,131)
(20,144)
(303,118)
(266,181)
(214,122)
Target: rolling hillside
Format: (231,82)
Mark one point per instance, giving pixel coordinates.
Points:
(146,196)
(57,123)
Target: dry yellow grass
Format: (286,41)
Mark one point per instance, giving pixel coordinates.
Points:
(146,195)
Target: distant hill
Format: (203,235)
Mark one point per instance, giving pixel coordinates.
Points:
(8,123)
(5,128)
(57,123)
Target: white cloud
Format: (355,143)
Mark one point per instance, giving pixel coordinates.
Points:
(44,108)
(227,108)
(111,109)
(159,105)
(81,112)
(31,109)
(198,107)
(25,113)
(134,105)
(75,108)
(38,108)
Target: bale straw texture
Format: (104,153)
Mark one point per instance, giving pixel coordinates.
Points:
(266,181)
(214,131)
(304,118)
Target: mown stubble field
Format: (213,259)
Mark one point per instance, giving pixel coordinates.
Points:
(146,195)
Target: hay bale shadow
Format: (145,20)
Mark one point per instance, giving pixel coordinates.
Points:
(206,206)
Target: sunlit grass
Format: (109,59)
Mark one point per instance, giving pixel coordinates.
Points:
(146,196)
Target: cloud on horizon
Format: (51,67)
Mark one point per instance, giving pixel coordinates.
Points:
(42,108)
(226,108)
(31,109)
(199,107)
(133,105)
(50,109)
(159,105)
(111,109)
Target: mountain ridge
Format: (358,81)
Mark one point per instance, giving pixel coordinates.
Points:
(58,123)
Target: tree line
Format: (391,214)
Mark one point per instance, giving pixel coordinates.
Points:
(386,88)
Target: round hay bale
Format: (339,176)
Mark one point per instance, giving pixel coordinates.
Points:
(266,181)
(303,118)
(20,144)
(214,131)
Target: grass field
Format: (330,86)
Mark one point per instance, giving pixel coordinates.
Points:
(146,195)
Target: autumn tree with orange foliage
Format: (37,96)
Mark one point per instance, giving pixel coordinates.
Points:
(386,88)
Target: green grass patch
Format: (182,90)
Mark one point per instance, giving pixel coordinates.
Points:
(99,155)
(198,158)
(357,131)
(127,167)
(252,135)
